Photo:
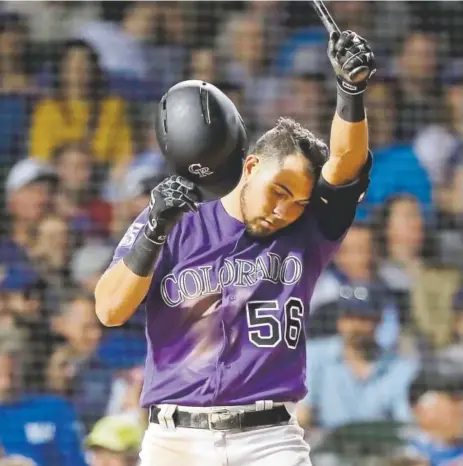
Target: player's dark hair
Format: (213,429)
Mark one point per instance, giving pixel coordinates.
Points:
(288,137)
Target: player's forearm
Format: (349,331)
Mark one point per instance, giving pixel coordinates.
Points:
(348,142)
(118,294)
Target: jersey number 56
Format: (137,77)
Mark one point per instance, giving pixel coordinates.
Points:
(265,330)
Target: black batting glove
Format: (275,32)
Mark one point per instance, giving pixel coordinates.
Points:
(352,60)
(170,199)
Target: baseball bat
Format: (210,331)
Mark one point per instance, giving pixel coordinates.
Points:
(325,16)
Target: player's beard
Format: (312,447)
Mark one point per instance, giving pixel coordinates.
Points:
(254,226)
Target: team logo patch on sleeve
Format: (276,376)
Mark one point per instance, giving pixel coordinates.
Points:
(131,235)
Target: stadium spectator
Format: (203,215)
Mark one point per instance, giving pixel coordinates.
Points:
(203,65)
(76,197)
(449,183)
(28,199)
(52,22)
(303,97)
(60,370)
(133,195)
(419,96)
(126,391)
(396,169)
(43,428)
(122,47)
(50,256)
(13,41)
(354,270)
(114,441)
(454,351)
(80,109)
(241,49)
(76,321)
(436,396)
(349,367)
(16,87)
(22,294)
(413,273)
(88,263)
(401,244)
(145,52)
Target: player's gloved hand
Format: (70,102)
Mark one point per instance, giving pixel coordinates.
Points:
(352,60)
(170,199)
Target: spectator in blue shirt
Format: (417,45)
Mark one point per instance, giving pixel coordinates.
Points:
(396,168)
(349,377)
(43,428)
(436,396)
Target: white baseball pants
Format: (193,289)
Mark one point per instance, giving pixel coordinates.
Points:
(280,445)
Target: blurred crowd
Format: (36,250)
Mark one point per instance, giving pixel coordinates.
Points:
(78,82)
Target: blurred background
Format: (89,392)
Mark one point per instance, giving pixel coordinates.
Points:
(78,82)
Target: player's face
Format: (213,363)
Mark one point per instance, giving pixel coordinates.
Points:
(274,194)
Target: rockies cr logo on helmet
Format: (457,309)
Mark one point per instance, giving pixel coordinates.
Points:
(199,170)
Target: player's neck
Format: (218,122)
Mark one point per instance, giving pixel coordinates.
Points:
(231,203)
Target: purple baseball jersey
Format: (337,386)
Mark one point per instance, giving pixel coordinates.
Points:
(225,313)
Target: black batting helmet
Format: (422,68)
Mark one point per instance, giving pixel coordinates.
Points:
(202,136)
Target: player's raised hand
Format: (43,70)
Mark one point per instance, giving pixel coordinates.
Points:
(352,60)
(170,199)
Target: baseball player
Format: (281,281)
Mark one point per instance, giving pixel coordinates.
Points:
(226,283)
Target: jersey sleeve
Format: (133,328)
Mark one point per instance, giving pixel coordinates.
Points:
(128,240)
(335,206)
(331,213)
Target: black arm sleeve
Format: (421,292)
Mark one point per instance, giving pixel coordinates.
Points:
(335,206)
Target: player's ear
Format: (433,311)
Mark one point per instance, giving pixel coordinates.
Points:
(251,164)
